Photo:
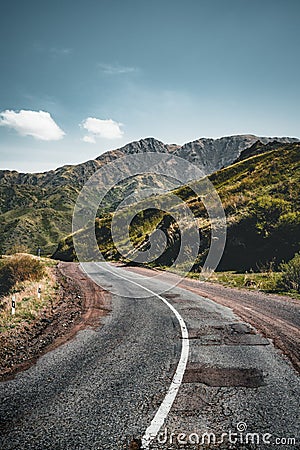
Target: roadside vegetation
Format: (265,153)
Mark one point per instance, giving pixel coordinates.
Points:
(264,280)
(17,269)
(22,276)
(290,279)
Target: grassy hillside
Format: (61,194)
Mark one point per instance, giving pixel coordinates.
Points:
(40,215)
(261,199)
(33,217)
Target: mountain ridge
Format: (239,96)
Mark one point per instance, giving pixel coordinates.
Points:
(201,147)
(36,209)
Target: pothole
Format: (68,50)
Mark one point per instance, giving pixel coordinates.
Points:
(245,339)
(227,334)
(240,328)
(171,296)
(224,377)
(135,444)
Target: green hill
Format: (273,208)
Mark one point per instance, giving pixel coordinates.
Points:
(260,196)
(261,199)
(33,217)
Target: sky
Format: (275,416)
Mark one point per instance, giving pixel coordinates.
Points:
(80,78)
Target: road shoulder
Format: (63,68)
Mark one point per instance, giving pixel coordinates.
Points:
(79,303)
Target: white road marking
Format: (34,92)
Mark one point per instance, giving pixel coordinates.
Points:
(164,409)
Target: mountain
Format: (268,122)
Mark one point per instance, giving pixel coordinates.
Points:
(36,209)
(261,198)
(214,154)
(257,148)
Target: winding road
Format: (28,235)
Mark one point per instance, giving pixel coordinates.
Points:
(140,376)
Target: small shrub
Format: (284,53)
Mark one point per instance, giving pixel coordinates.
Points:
(17,269)
(17,248)
(290,279)
(267,211)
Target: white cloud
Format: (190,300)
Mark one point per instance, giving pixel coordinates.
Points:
(63,51)
(108,129)
(38,124)
(89,139)
(116,69)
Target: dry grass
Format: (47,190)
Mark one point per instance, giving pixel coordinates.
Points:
(28,305)
(265,281)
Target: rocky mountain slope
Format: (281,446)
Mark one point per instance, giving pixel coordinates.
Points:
(36,209)
(261,199)
(214,154)
(209,154)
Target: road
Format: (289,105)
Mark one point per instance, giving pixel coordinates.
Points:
(103,388)
(276,316)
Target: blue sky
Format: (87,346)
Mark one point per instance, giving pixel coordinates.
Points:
(80,78)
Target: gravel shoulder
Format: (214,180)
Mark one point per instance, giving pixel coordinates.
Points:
(79,304)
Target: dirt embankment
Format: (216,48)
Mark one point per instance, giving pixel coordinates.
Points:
(79,303)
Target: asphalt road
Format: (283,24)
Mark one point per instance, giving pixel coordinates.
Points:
(104,387)
(276,316)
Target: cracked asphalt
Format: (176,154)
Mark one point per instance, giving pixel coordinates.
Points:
(103,388)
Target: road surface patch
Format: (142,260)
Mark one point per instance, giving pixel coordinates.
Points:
(227,334)
(224,377)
